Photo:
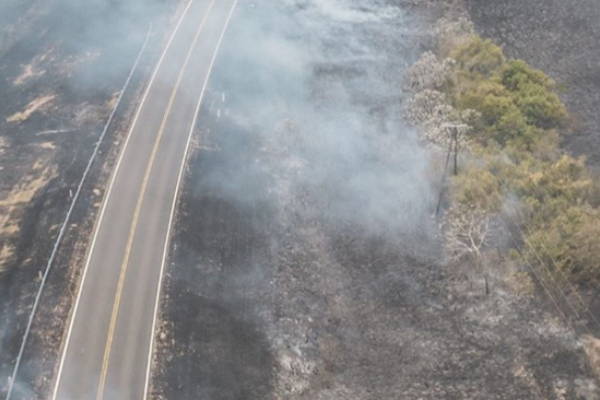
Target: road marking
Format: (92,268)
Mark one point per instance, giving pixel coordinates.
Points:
(105,201)
(136,215)
(175,197)
(44,276)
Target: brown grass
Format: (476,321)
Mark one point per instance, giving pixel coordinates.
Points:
(5,253)
(15,200)
(592,350)
(29,72)
(38,104)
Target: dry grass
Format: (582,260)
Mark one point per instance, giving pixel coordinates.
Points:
(592,350)
(73,62)
(22,194)
(5,254)
(15,200)
(48,146)
(29,72)
(110,104)
(39,104)
(526,376)
(3,144)
(32,70)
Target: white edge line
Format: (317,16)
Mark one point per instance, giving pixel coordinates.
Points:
(108,193)
(175,198)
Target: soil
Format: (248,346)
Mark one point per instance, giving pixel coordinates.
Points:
(305,262)
(62,66)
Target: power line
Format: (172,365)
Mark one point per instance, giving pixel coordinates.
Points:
(560,271)
(548,292)
(548,271)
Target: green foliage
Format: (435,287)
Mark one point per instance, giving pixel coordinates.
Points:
(517,103)
(534,93)
(516,160)
(560,226)
(477,187)
(479,56)
(517,74)
(584,252)
(514,167)
(569,245)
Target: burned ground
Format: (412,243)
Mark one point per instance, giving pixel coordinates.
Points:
(213,306)
(305,240)
(305,263)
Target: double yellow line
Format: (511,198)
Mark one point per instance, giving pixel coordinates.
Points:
(125,265)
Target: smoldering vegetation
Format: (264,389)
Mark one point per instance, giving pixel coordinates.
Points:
(303,171)
(305,262)
(62,65)
(321,89)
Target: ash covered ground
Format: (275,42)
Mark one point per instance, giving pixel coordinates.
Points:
(305,263)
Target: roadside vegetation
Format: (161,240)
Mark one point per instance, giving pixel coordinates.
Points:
(509,193)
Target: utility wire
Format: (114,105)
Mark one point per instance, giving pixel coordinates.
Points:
(547,269)
(537,276)
(560,271)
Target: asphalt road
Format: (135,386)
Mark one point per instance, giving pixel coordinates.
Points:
(106,353)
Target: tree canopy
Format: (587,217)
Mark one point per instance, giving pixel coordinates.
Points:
(514,118)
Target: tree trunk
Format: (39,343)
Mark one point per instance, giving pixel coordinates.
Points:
(455,151)
(481,267)
(439,204)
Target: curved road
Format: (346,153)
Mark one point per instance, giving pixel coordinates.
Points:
(108,347)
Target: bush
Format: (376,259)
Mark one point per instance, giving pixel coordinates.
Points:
(517,103)
(479,57)
(513,117)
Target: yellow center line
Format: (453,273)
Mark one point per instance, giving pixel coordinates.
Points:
(136,215)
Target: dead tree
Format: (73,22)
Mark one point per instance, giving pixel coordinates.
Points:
(468,232)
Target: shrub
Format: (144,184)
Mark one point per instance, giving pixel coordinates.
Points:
(479,57)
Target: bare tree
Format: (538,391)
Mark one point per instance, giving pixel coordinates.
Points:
(442,126)
(428,73)
(468,232)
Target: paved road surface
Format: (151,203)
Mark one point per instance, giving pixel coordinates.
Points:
(109,340)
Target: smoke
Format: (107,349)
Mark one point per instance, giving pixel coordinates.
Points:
(303,159)
(85,46)
(319,84)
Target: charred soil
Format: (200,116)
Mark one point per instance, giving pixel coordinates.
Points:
(305,262)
